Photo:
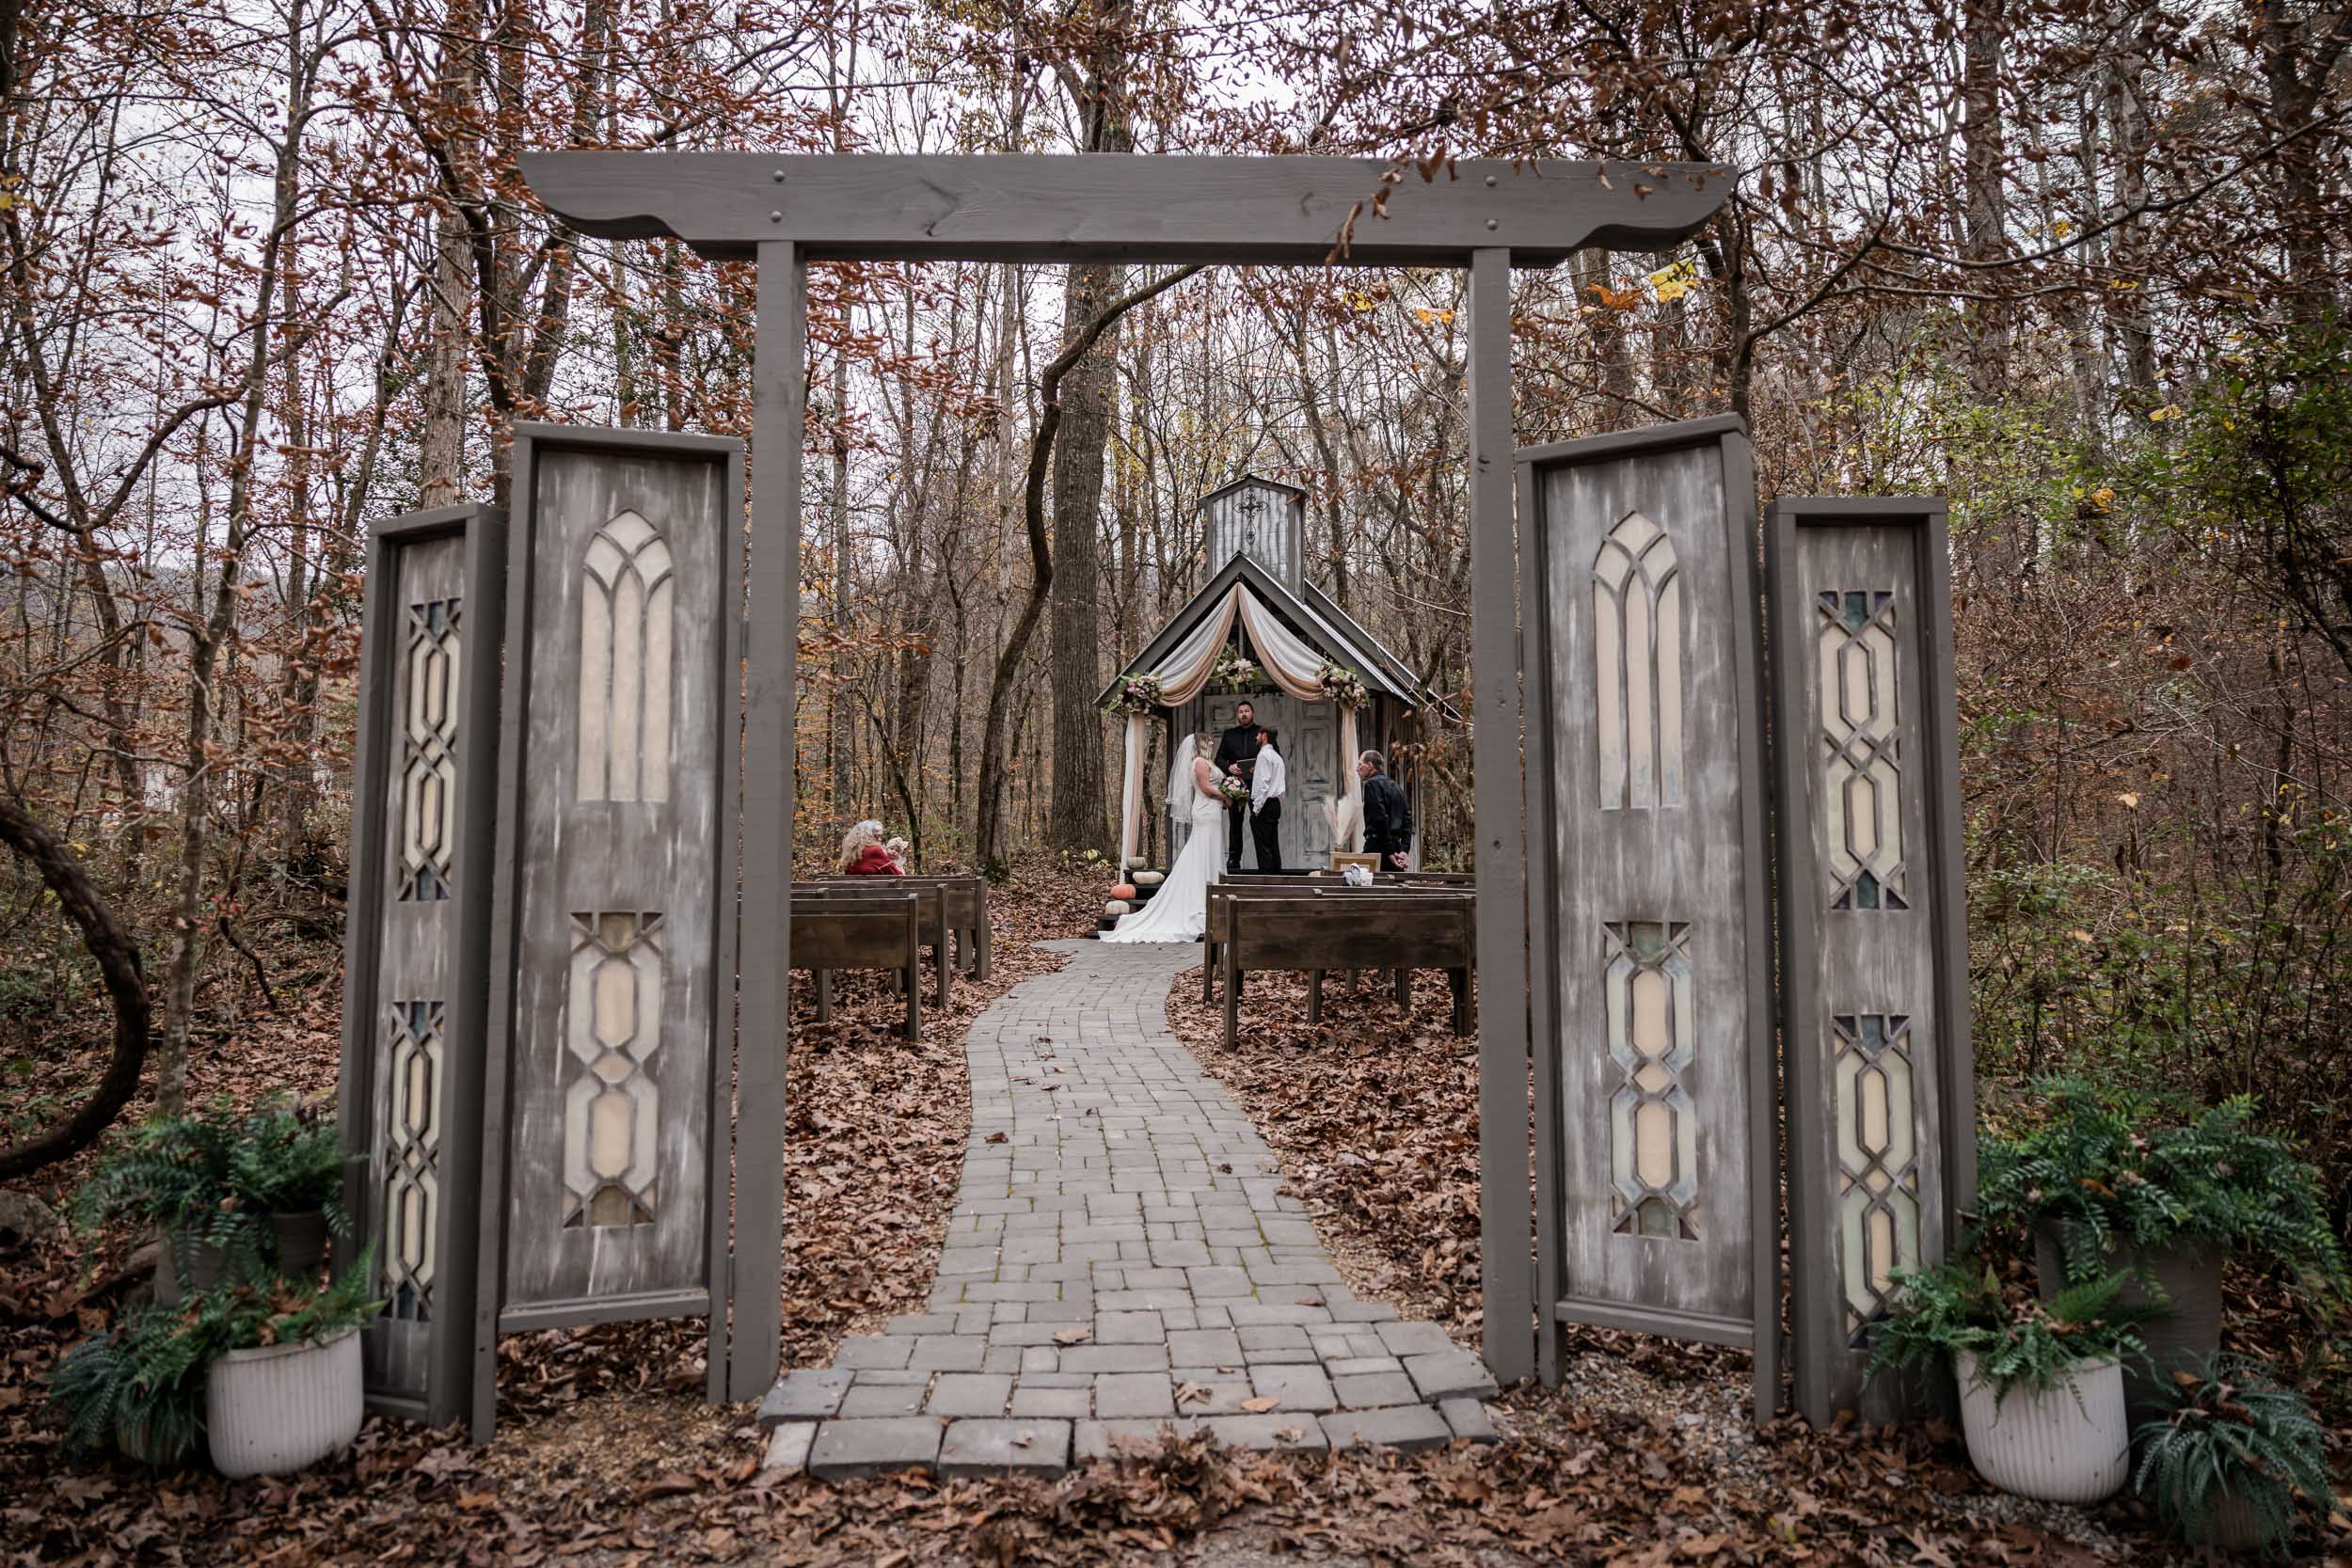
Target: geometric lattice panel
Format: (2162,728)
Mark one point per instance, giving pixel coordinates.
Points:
(1878,1159)
(1862,786)
(1637,666)
(611,1108)
(625,645)
(1653,1126)
(428,744)
(412,1194)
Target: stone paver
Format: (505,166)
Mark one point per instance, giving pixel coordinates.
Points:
(1122,1259)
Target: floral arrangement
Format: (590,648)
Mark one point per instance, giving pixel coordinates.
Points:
(1137,694)
(1232,672)
(1233,788)
(1341,686)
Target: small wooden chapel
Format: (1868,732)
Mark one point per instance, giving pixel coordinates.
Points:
(1255,606)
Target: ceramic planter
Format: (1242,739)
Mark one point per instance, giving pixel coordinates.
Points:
(299,1242)
(280,1408)
(301,1239)
(2187,1279)
(2068,1443)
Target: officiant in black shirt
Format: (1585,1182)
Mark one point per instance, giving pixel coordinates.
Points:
(1237,756)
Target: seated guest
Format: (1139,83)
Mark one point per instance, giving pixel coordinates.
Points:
(899,851)
(862,855)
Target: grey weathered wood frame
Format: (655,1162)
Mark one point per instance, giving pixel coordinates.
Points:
(784,211)
(1286,210)
(449,1367)
(726,1135)
(1826,1369)
(1562,1299)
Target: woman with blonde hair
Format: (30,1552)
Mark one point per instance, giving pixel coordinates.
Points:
(862,855)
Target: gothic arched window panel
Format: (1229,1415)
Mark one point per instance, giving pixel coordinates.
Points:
(625,639)
(1862,762)
(1637,624)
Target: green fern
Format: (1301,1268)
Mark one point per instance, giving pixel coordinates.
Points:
(2233,1432)
(211,1179)
(2113,1171)
(2019,1340)
(141,1388)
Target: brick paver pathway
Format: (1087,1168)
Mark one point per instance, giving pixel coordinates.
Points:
(1122,1257)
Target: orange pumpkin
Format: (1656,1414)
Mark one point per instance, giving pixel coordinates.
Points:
(1124,890)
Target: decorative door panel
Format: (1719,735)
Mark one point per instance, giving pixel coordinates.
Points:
(621,852)
(1313,753)
(1649,959)
(417,963)
(1874,962)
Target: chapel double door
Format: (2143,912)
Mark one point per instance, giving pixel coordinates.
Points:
(1309,745)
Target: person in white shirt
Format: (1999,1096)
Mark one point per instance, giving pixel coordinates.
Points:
(1267,784)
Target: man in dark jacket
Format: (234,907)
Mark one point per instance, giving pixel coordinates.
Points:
(1237,755)
(1387,815)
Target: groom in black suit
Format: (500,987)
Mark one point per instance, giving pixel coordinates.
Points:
(1237,755)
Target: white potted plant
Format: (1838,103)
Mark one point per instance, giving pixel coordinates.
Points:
(2041,1383)
(282,1385)
(264,1372)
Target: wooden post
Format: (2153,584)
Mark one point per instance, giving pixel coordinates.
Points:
(914,969)
(764,1036)
(1503,1171)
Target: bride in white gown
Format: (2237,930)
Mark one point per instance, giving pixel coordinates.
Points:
(1180,907)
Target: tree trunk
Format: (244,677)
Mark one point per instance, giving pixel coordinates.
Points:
(118,959)
(1984,159)
(442,447)
(1077,820)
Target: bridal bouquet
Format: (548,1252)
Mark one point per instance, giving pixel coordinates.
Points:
(1234,789)
(1341,686)
(1138,694)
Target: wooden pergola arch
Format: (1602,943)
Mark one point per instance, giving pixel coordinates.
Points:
(785,211)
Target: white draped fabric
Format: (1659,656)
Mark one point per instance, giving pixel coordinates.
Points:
(1131,798)
(1289,661)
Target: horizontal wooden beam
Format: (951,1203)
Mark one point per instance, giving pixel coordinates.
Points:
(1009,207)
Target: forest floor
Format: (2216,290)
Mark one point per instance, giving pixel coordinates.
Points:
(606,1456)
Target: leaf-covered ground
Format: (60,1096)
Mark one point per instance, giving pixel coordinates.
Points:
(606,1456)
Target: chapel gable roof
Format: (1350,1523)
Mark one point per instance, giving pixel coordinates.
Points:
(1315,619)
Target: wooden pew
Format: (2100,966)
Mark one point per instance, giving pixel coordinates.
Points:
(931,899)
(881,932)
(1427,931)
(1252,885)
(967,912)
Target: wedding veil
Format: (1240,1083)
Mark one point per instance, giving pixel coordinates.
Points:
(1180,788)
